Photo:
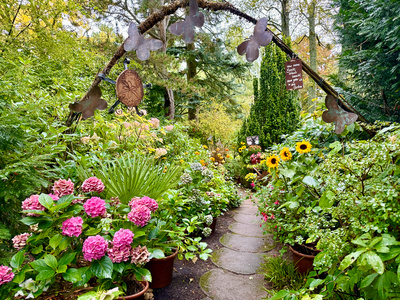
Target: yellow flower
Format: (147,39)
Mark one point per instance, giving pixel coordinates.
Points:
(212,158)
(240,150)
(243,143)
(205,147)
(164,158)
(217,149)
(303,147)
(181,161)
(285,154)
(226,149)
(186,153)
(202,162)
(197,153)
(273,161)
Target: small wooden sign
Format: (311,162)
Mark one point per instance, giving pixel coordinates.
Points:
(294,75)
(253,140)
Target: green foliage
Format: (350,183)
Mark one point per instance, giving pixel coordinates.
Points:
(281,273)
(274,111)
(133,176)
(369,34)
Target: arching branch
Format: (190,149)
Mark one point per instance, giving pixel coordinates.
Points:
(169,9)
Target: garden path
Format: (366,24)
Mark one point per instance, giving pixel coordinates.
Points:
(237,261)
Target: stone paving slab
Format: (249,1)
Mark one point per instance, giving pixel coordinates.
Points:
(245,263)
(243,243)
(250,210)
(247,229)
(222,285)
(247,219)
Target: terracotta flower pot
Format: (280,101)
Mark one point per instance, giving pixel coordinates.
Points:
(303,262)
(137,296)
(161,270)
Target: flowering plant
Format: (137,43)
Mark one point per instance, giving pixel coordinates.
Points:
(75,240)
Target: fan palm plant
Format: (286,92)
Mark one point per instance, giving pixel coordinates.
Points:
(133,175)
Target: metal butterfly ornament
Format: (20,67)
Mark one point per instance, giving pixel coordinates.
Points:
(259,38)
(137,42)
(186,27)
(88,105)
(337,115)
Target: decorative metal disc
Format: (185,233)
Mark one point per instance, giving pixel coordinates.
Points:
(129,88)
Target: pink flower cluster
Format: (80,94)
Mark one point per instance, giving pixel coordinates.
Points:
(140,215)
(255,158)
(95,207)
(154,122)
(72,226)
(94,247)
(92,184)
(6,274)
(54,197)
(146,201)
(63,187)
(32,203)
(140,255)
(265,217)
(119,254)
(121,249)
(169,127)
(123,237)
(19,241)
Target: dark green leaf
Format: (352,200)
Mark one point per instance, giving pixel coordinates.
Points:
(280,295)
(153,233)
(46,201)
(349,259)
(72,275)
(375,261)
(37,250)
(142,274)
(17,260)
(327,199)
(45,274)
(92,231)
(157,253)
(102,268)
(51,261)
(67,259)
(55,241)
(40,265)
(368,280)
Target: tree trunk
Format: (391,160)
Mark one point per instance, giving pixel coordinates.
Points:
(169,101)
(285,18)
(313,53)
(191,73)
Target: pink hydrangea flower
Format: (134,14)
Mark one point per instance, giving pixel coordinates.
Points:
(119,254)
(32,203)
(169,127)
(54,197)
(19,241)
(123,237)
(72,226)
(92,184)
(127,125)
(140,215)
(146,201)
(6,274)
(95,207)
(63,187)
(154,122)
(94,247)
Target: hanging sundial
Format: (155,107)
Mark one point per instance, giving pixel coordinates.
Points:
(129,88)
(89,104)
(260,37)
(337,115)
(186,27)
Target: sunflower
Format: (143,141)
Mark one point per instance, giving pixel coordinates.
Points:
(285,154)
(273,161)
(303,147)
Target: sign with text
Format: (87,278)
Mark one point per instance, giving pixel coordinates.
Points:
(253,140)
(294,75)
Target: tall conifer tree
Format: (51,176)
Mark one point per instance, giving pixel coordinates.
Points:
(275,111)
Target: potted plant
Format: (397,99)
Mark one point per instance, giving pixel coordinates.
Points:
(79,241)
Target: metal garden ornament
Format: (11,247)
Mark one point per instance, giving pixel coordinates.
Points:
(337,115)
(186,27)
(260,37)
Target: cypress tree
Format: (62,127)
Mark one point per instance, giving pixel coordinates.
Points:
(275,110)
